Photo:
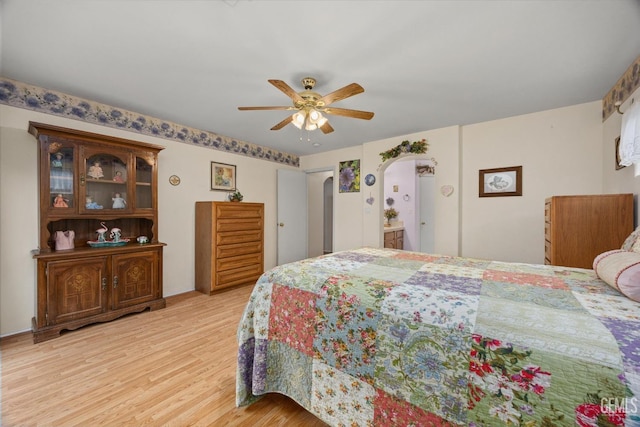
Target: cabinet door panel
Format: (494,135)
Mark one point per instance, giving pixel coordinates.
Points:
(135,278)
(76,289)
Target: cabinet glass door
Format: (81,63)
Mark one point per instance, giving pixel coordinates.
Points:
(61,177)
(144,184)
(106,177)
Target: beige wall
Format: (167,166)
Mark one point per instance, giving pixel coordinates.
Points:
(559,151)
(19,208)
(562,151)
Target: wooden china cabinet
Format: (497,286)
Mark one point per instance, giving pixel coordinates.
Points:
(90,182)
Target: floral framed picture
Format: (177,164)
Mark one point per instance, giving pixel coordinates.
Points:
(223,177)
(349,176)
(501,182)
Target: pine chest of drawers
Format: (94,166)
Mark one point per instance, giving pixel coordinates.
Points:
(229,244)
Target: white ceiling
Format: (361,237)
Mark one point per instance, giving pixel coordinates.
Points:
(423,64)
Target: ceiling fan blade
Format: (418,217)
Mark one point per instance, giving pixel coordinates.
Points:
(342,93)
(283,123)
(326,128)
(356,114)
(287,90)
(265,108)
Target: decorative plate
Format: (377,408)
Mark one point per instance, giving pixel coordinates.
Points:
(174,180)
(370,179)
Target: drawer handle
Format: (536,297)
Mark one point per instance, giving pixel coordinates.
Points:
(104,283)
(281,224)
(115,282)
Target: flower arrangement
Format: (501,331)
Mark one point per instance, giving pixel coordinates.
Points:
(416,147)
(390,213)
(236,196)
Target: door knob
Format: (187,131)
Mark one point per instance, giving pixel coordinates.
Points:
(281,224)
(422,223)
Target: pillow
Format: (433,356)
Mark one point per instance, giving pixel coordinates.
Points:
(631,240)
(621,270)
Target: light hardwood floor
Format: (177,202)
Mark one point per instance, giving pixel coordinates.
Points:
(170,367)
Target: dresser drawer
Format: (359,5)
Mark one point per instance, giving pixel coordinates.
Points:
(239,261)
(226,251)
(238,210)
(244,224)
(237,276)
(233,237)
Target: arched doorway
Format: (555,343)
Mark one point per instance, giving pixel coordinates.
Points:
(408,186)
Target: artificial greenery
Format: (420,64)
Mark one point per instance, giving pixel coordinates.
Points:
(236,196)
(416,147)
(390,213)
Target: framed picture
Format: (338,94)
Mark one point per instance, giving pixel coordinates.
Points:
(617,145)
(349,176)
(501,182)
(223,177)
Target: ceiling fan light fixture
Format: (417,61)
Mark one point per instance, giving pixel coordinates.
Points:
(298,119)
(314,116)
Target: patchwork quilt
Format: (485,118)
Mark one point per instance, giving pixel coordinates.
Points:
(382,337)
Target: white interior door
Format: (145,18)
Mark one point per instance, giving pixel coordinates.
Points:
(427,186)
(292,216)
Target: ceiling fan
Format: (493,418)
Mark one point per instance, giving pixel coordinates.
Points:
(310,105)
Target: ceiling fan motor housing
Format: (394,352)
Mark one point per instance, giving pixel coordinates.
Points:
(308,83)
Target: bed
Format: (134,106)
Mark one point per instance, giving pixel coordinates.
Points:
(383,337)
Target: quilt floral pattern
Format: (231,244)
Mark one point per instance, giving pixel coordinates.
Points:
(380,337)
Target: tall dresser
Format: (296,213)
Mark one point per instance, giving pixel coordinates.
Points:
(229,244)
(578,228)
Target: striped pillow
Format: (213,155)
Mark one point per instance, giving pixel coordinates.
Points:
(621,270)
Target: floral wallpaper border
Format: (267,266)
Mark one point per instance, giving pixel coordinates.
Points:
(624,87)
(23,95)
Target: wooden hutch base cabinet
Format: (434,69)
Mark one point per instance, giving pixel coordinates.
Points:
(229,244)
(578,228)
(90,182)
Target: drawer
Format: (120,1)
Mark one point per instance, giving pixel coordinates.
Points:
(239,224)
(239,261)
(238,210)
(233,237)
(547,249)
(225,251)
(547,231)
(547,211)
(238,276)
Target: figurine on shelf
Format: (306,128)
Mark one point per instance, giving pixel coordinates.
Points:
(102,231)
(115,234)
(118,202)
(90,204)
(118,177)
(60,202)
(57,162)
(95,171)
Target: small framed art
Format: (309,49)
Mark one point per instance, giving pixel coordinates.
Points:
(223,177)
(501,182)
